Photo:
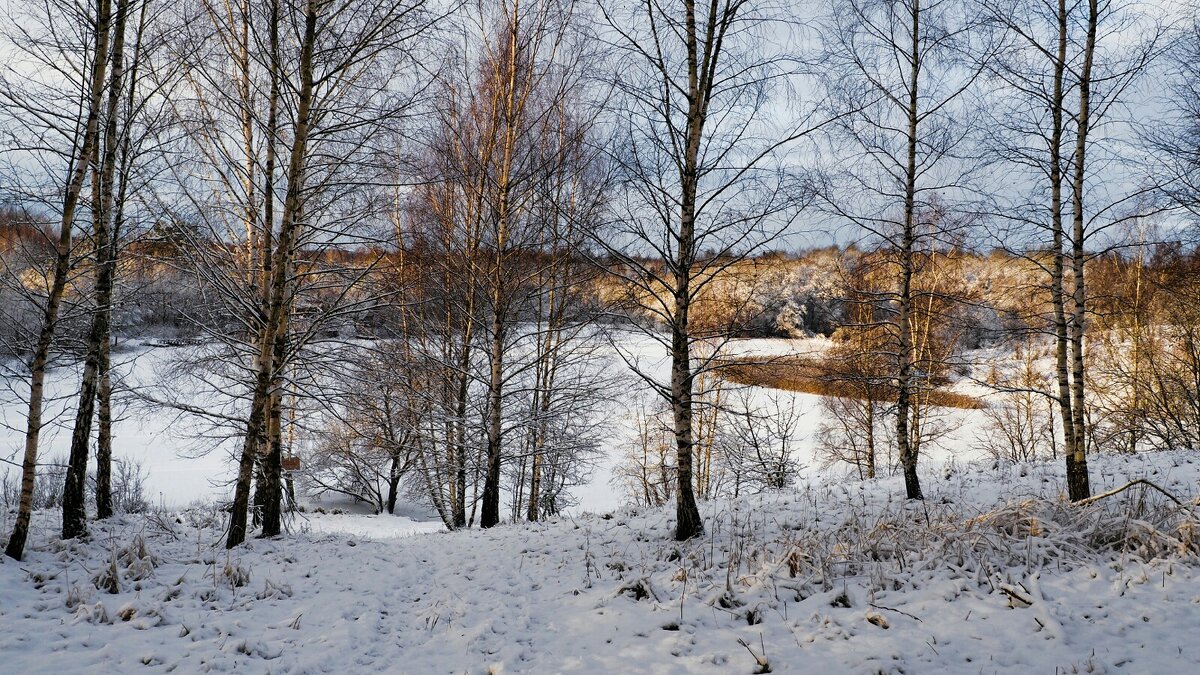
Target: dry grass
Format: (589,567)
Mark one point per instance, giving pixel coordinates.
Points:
(812,376)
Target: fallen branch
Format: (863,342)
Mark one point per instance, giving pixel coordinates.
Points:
(1138,481)
(893,609)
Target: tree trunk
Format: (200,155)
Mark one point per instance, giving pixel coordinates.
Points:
(41,353)
(250,444)
(490,514)
(275,319)
(394,475)
(104,500)
(1058,269)
(1077,472)
(687,516)
(870,404)
(74,516)
(272,461)
(535,485)
(908,453)
(106,291)
(458,505)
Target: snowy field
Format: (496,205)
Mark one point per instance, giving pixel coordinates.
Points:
(993,574)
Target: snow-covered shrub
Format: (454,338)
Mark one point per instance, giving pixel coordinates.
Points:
(136,560)
(742,444)
(234,575)
(132,562)
(108,578)
(646,472)
(48,485)
(757,442)
(128,486)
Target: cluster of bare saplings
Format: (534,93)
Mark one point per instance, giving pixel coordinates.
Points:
(401,241)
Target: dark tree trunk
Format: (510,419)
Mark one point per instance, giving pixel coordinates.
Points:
(1058,270)
(458,506)
(104,500)
(275,321)
(908,449)
(250,444)
(1078,486)
(74,515)
(535,479)
(687,516)
(394,475)
(272,461)
(490,514)
(41,353)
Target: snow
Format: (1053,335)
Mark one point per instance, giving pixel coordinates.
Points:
(371,526)
(177,473)
(765,347)
(994,573)
(181,470)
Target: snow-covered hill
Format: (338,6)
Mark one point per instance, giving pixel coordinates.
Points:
(993,573)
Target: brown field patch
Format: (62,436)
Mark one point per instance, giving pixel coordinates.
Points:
(813,376)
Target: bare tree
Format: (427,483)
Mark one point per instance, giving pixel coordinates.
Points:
(508,186)
(853,430)
(568,377)
(524,64)
(759,441)
(1173,137)
(289,165)
(646,473)
(82,67)
(1019,427)
(125,114)
(900,68)
(366,442)
(1066,73)
(701,186)
(1146,350)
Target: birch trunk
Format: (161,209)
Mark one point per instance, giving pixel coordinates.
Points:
(74,516)
(41,353)
(106,289)
(275,319)
(907,451)
(1077,472)
(1058,270)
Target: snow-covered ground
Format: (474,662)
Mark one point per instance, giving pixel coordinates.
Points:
(993,573)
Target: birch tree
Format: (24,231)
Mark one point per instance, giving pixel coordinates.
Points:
(899,68)
(508,130)
(117,176)
(1060,90)
(292,115)
(57,123)
(698,127)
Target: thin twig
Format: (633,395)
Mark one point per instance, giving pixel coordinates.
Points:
(898,611)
